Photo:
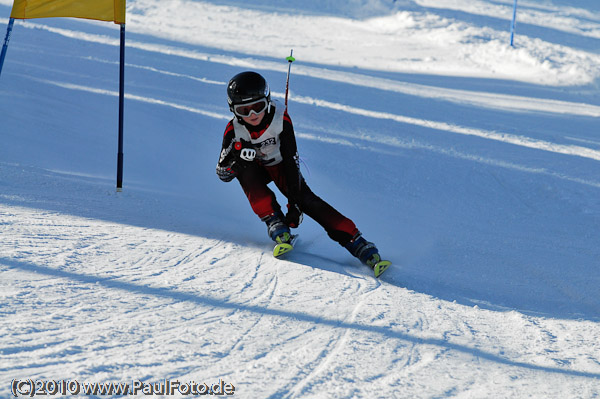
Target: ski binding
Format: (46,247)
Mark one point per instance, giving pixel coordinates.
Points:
(284,247)
(381,266)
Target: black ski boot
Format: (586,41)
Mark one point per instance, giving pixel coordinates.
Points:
(364,250)
(277,229)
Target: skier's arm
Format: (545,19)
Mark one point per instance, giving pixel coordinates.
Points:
(225,166)
(291,169)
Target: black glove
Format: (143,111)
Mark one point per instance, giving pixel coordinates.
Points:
(294,216)
(226,173)
(243,155)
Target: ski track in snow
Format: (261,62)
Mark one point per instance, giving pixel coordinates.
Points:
(79,259)
(157,282)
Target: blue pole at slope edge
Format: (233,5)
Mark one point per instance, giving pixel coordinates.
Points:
(6,39)
(512,25)
(121,98)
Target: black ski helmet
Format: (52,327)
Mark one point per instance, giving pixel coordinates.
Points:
(246,87)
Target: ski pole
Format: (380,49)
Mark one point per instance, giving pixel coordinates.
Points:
(290,59)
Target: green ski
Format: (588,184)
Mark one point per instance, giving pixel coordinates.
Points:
(381,266)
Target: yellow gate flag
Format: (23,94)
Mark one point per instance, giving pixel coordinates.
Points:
(103,10)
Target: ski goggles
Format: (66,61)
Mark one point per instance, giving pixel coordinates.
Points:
(247,109)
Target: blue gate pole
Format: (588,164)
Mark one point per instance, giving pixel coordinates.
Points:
(5,46)
(512,25)
(121,97)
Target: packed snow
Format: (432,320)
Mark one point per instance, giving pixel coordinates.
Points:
(473,165)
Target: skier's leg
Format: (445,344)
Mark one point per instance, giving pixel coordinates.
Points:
(338,227)
(254,180)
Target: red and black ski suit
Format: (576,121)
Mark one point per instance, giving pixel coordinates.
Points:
(276,161)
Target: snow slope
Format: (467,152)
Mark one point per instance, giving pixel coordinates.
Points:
(473,165)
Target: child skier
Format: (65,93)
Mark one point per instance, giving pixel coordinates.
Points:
(259,146)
